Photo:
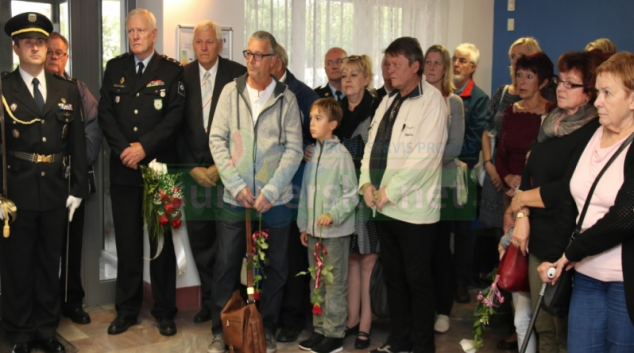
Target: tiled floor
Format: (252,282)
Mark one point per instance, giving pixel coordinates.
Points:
(191,337)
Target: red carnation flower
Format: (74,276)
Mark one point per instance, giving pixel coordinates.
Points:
(176,223)
(176,189)
(169,208)
(177,202)
(163,220)
(317,309)
(256,295)
(163,196)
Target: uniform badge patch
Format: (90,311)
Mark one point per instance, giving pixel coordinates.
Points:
(181,89)
(158,104)
(13,107)
(15,133)
(63,100)
(65,106)
(155,83)
(122,80)
(162,93)
(32,17)
(327,94)
(117,99)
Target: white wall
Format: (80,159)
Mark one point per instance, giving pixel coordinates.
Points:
(471,21)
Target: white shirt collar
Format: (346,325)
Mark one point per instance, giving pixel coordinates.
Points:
(28,80)
(283,78)
(259,99)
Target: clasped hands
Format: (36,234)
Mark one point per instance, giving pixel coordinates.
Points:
(205,176)
(373,197)
(131,156)
(246,199)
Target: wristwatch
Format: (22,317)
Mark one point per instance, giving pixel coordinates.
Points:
(521,214)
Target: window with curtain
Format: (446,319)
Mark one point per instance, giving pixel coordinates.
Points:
(308,28)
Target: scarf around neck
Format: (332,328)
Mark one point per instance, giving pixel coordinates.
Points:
(557,125)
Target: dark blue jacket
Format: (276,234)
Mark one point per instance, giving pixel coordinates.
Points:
(475,117)
(305,98)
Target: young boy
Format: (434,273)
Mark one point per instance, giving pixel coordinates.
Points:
(326,210)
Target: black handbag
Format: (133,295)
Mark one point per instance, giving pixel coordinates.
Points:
(557,298)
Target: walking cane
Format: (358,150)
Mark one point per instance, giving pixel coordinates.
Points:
(527,336)
(8,206)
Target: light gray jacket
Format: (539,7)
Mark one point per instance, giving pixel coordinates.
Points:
(263,155)
(329,186)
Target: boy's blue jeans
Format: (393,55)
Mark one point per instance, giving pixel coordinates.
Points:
(332,323)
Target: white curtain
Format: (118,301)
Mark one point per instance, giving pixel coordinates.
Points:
(308,28)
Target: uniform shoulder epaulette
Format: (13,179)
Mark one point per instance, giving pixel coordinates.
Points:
(124,55)
(69,79)
(4,74)
(171,60)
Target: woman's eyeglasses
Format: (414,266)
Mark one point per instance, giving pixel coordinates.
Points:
(567,84)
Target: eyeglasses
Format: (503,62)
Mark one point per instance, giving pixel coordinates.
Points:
(567,84)
(462,61)
(258,57)
(351,58)
(57,53)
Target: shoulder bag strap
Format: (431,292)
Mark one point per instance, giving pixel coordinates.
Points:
(250,289)
(506,87)
(594,185)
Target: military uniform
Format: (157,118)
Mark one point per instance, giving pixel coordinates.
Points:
(148,110)
(30,256)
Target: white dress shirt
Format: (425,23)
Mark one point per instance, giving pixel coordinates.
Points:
(28,79)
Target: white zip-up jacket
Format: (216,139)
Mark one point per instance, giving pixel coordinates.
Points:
(414,162)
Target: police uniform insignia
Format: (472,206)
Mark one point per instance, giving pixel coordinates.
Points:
(117,99)
(13,107)
(32,17)
(63,100)
(65,107)
(15,133)
(327,94)
(181,89)
(64,130)
(155,83)
(122,80)
(162,93)
(158,104)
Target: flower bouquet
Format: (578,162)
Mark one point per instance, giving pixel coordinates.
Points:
(316,271)
(259,244)
(162,201)
(488,301)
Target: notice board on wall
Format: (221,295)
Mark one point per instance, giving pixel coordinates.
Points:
(185,48)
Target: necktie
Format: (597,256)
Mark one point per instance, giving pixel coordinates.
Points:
(339,94)
(139,73)
(206,95)
(37,95)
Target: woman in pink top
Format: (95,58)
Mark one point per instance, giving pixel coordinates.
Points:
(602,305)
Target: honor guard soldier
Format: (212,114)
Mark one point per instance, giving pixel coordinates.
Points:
(45,133)
(140,113)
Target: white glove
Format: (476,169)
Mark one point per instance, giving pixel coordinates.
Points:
(159,168)
(72,203)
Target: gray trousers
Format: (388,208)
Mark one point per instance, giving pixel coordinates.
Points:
(332,323)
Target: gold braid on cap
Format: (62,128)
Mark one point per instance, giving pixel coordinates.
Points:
(6,108)
(29,30)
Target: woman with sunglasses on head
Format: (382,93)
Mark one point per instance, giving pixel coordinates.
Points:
(438,72)
(535,203)
(358,107)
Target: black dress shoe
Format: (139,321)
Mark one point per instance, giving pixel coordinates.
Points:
(203,315)
(24,347)
(349,331)
(166,327)
(362,344)
(121,324)
(287,335)
(50,345)
(78,316)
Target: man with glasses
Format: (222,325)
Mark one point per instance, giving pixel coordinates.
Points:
(476,102)
(256,141)
(332,66)
(71,289)
(44,128)
(140,114)
(204,78)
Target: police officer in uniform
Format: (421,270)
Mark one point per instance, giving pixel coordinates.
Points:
(140,113)
(44,127)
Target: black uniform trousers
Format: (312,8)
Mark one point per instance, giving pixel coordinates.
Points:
(201,212)
(128,226)
(29,259)
(72,293)
(231,249)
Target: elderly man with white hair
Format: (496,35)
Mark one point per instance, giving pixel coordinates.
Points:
(465,61)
